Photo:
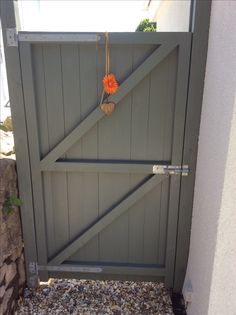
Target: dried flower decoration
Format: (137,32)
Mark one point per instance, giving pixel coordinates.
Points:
(110,84)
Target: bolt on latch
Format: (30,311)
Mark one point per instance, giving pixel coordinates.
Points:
(171,170)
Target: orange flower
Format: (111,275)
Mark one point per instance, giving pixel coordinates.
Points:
(110,84)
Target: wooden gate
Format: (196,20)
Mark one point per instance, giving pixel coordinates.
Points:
(105,204)
(103,197)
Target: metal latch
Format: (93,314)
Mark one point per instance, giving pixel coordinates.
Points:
(12,39)
(171,169)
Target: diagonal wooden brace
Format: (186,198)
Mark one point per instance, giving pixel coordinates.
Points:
(83,127)
(107,219)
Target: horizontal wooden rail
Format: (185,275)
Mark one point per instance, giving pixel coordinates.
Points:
(106,269)
(114,38)
(102,167)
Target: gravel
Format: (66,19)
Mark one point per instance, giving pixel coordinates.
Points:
(87,297)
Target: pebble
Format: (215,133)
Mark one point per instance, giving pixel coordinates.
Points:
(88,297)
(46,291)
(27,293)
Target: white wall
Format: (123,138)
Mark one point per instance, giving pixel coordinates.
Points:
(80,15)
(4,96)
(170,15)
(212,260)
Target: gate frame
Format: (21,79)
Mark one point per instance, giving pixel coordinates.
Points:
(8,20)
(199,26)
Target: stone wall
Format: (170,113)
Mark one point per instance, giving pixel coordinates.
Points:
(12,268)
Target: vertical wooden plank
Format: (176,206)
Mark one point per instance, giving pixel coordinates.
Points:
(155,143)
(201,19)
(139,135)
(167,151)
(32,124)
(157,110)
(70,59)
(114,143)
(56,132)
(42,123)
(21,140)
(88,210)
(178,131)
(40,98)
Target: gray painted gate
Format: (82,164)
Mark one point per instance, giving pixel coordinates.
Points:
(100,211)
(91,204)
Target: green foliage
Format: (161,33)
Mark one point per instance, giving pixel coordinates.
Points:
(10,202)
(2,127)
(146,26)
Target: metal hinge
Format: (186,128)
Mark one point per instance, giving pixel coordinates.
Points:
(12,37)
(71,268)
(33,279)
(33,267)
(171,169)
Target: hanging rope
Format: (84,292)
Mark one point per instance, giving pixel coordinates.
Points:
(110,84)
(107,54)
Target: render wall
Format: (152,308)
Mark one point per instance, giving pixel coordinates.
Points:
(170,15)
(212,260)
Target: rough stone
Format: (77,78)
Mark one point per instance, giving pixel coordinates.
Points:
(6,299)
(17,252)
(8,178)
(2,290)
(13,306)
(2,272)
(10,273)
(10,247)
(21,270)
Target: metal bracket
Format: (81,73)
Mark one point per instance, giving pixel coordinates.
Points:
(71,268)
(33,279)
(58,37)
(12,38)
(33,267)
(171,170)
